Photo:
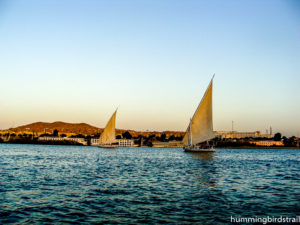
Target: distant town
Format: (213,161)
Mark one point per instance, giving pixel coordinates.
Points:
(61,133)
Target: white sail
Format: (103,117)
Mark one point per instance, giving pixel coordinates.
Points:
(200,128)
(109,133)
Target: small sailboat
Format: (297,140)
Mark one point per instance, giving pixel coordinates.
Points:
(108,136)
(200,128)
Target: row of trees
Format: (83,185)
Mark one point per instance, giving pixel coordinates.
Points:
(289,142)
(140,140)
(125,135)
(162,137)
(143,140)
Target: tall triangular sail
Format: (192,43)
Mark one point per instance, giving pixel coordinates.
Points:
(200,128)
(109,133)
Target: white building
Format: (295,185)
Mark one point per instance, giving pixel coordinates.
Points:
(95,141)
(78,140)
(236,134)
(121,142)
(267,143)
(126,142)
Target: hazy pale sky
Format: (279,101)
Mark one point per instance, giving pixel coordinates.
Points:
(76,61)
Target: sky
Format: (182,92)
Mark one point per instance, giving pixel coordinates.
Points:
(77,61)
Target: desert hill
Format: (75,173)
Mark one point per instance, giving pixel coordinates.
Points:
(62,127)
(82,128)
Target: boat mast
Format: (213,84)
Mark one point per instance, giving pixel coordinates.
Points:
(191,132)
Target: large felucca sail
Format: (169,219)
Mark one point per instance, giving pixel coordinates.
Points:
(200,128)
(108,136)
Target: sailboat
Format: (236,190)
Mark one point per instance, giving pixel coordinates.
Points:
(200,128)
(108,136)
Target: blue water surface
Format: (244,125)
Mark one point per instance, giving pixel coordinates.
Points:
(88,185)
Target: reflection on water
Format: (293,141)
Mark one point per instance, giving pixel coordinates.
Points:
(202,155)
(206,172)
(87,185)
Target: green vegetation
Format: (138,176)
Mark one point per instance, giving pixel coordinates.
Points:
(277,137)
(55,133)
(127,135)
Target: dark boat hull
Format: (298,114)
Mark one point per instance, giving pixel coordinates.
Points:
(204,150)
(107,146)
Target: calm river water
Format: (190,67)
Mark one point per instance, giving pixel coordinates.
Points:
(88,185)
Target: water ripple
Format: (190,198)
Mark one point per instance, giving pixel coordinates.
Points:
(88,185)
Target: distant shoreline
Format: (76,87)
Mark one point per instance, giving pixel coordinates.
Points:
(78,144)
(36,142)
(257,147)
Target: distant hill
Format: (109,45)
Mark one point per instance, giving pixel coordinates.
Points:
(81,128)
(62,127)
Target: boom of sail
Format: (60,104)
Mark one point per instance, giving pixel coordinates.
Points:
(108,135)
(200,128)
